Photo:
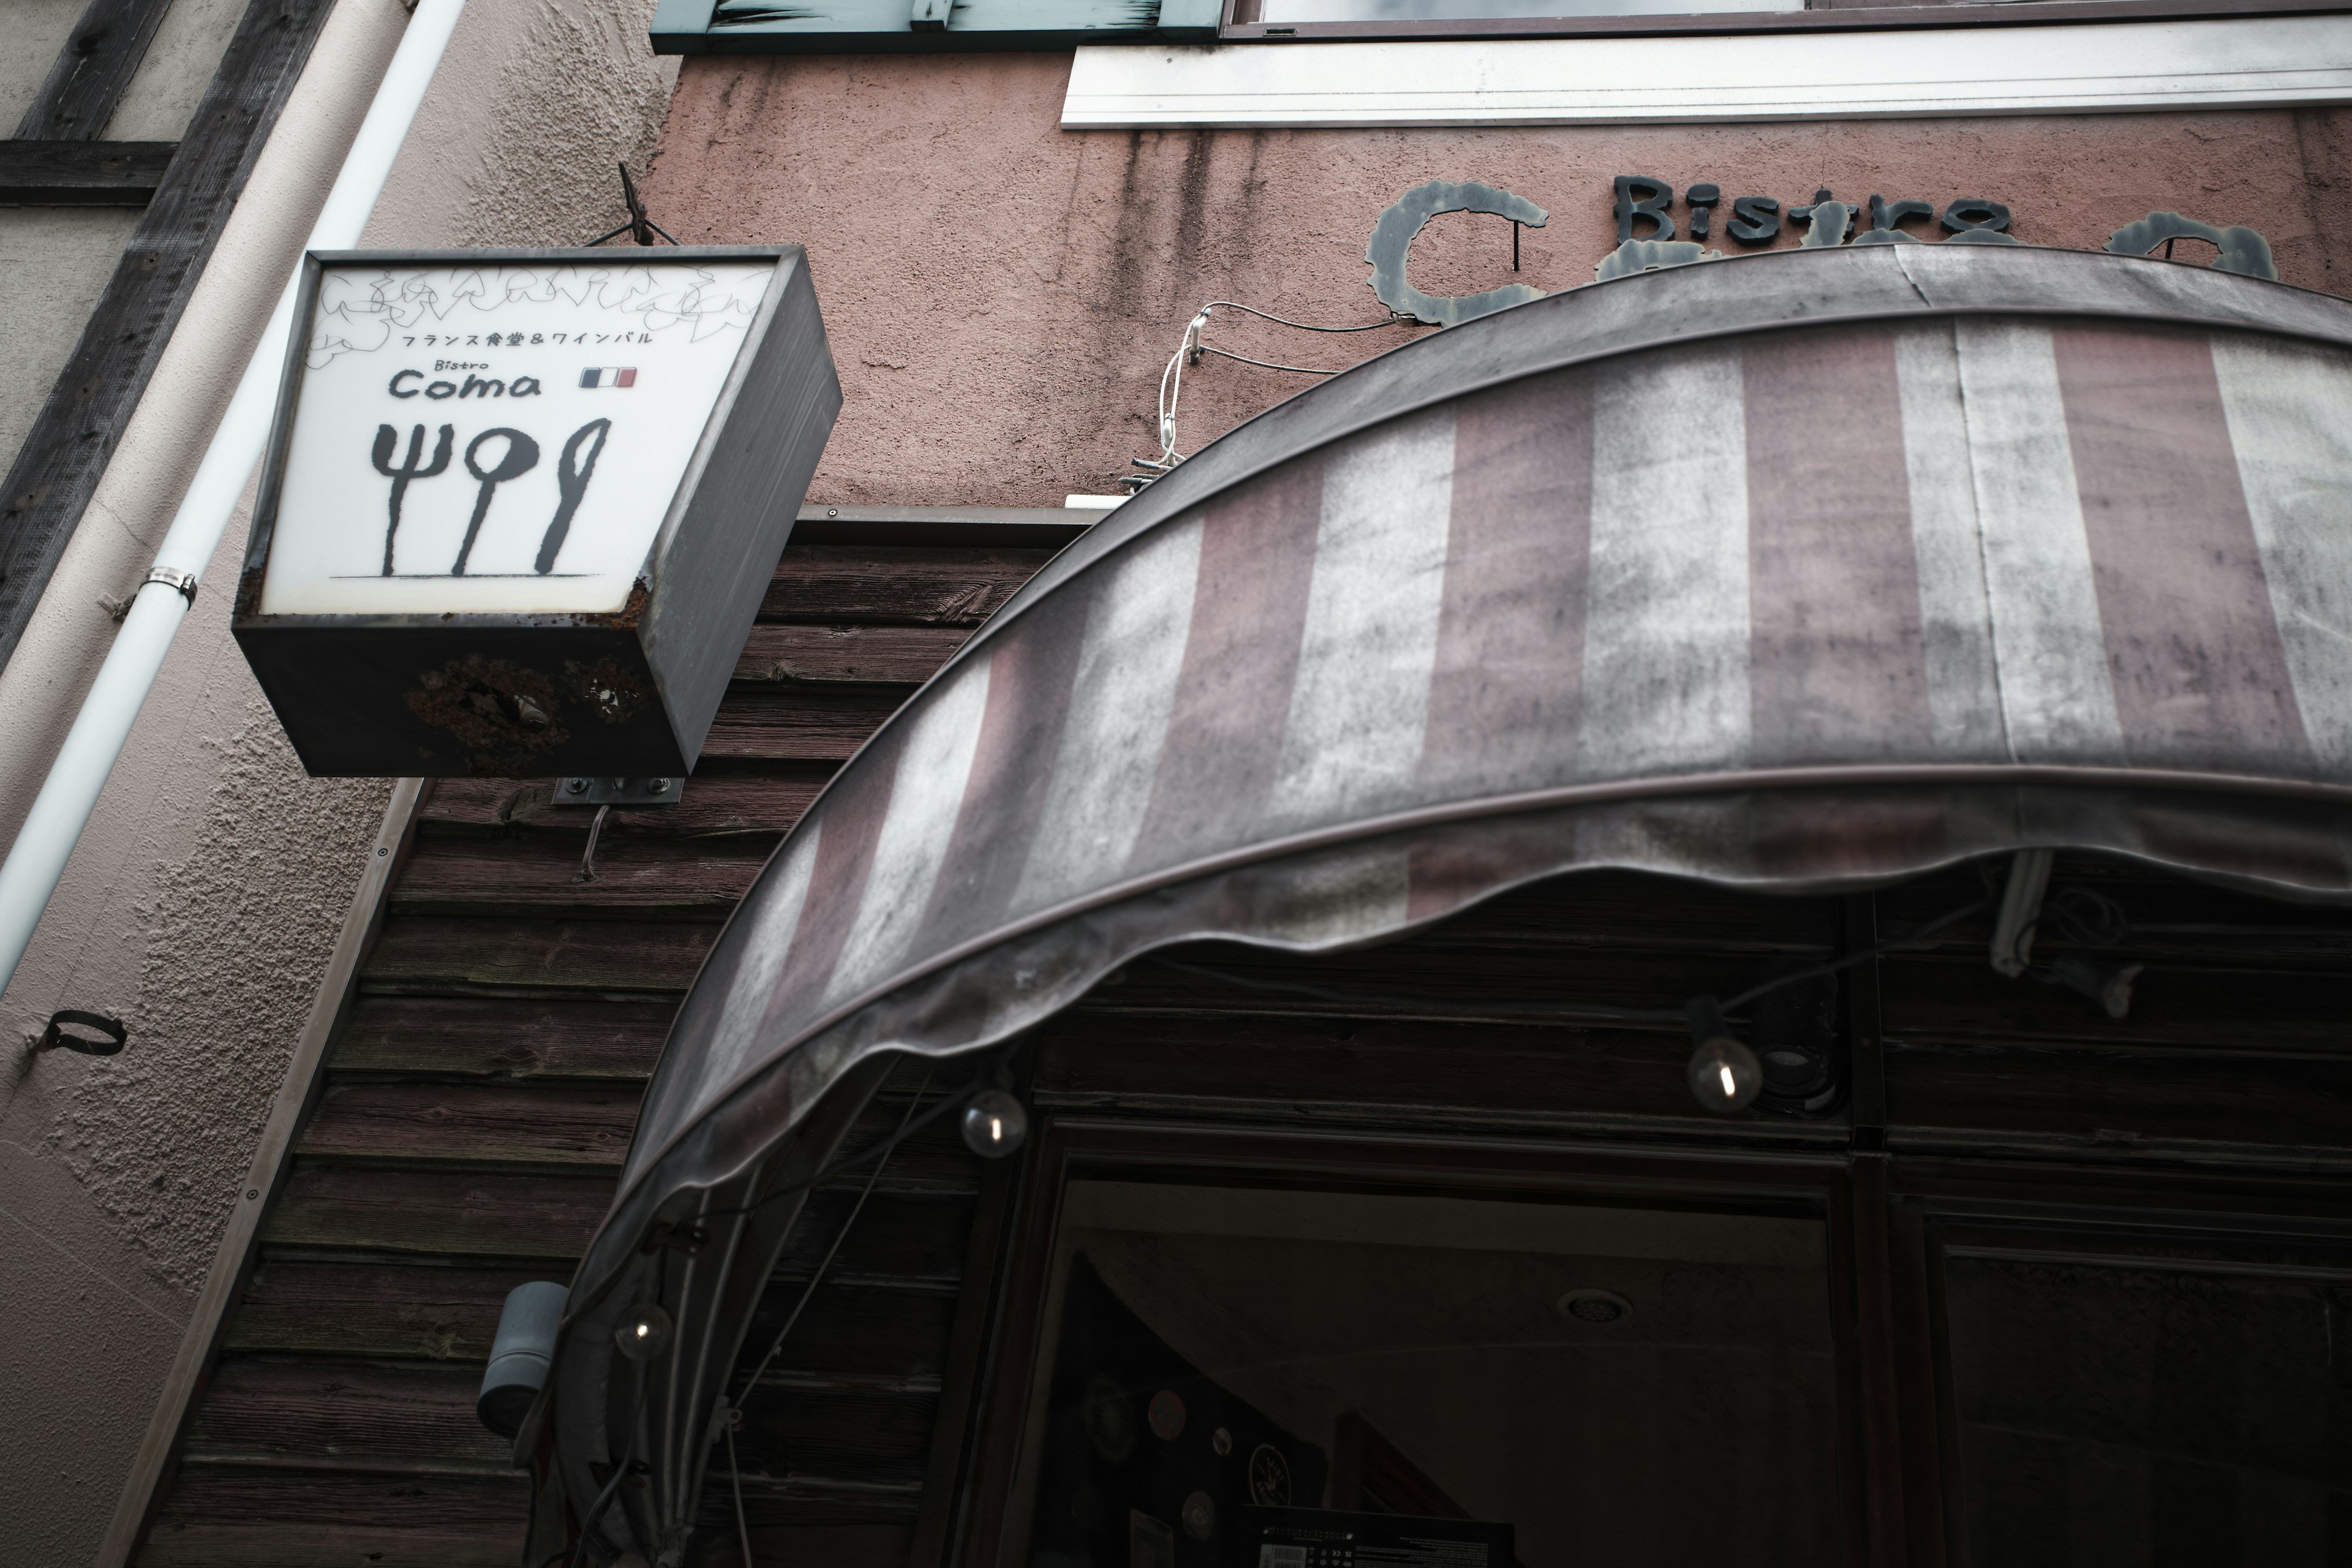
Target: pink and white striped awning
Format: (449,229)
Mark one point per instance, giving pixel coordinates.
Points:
(1807,569)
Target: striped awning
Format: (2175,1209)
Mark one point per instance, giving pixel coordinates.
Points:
(1807,569)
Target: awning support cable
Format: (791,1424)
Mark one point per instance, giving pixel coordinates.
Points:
(808,1293)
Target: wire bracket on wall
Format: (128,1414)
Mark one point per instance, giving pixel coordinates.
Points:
(639,228)
(618,792)
(1191,349)
(105,1036)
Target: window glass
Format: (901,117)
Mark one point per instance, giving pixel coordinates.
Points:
(1281,11)
(1255,1377)
(2122,1412)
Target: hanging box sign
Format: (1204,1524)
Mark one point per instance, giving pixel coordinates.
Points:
(520,506)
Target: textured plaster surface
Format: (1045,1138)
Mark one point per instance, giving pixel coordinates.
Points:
(90,1331)
(201,904)
(234,937)
(199,909)
(173,73)
(1001,295)
(546,97)
(63,257)
(31,34)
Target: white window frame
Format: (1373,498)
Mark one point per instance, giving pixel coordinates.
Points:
(2102,67)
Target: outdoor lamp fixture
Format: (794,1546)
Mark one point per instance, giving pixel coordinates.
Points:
(520,507)
(644,1332)
(995,1124)
(2108,985)
(520,1352)
(1725,1075)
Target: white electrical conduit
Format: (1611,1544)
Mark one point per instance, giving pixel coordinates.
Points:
(38,859)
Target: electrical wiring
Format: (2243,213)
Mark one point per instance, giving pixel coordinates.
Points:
(1191,351)
(590,1521)
(735,1475)
(1896,944)
(1267,364)
(1393,319)
(2082,916)
(728,1415)
(1429,1008)
(595,1514)
(878,1151)
(817,1278)
(1348,997)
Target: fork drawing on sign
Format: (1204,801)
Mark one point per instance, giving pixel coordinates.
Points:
(386,440)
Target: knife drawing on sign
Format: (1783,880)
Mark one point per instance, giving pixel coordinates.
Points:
(571,474)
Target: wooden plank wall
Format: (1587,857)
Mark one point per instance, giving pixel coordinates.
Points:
(480,1101)
(2236,1053)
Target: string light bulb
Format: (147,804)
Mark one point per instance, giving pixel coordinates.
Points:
(644,1332)
(1725,1075)
(995,1124)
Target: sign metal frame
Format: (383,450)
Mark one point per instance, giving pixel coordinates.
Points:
(630,691)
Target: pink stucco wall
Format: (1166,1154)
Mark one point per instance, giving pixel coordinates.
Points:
(1002,294)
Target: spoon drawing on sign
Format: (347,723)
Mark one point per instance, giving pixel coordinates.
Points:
(521,456)
(387,440)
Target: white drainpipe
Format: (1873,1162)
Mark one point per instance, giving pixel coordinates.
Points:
(38,859)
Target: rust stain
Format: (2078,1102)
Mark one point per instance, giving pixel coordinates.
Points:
(633,610)
(487,703)
(611,692)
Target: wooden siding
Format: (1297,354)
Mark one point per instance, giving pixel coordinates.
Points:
(2235,1052)
(477,1106)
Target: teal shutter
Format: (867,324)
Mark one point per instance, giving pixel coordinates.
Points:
(843,27)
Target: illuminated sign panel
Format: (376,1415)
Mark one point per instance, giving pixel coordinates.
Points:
(519,506)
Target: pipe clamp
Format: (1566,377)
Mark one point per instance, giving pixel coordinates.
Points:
(183,583)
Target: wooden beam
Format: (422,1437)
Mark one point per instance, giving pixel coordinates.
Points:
(75,433)
(82,174)
(92,71)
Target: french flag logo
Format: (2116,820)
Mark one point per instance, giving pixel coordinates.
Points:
(609,375)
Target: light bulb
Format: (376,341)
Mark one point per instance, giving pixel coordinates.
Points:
(1725,1075)
(995,1124)
(644,1334)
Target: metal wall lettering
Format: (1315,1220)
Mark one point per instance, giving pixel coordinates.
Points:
(1648,239)
(2242,249)
(1392,245)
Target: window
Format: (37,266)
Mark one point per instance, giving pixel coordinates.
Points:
(1243,1370)
(833,26)
(1304,20)
(2163,1397)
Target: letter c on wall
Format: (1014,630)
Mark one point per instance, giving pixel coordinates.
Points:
(403,375)
(1392,238)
